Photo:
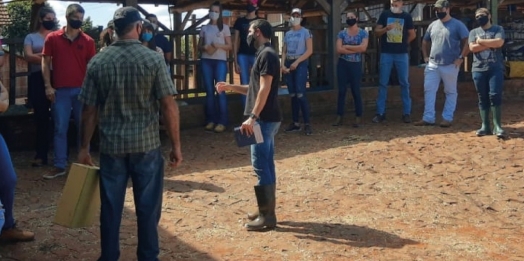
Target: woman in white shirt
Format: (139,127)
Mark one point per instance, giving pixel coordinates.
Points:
(214,43)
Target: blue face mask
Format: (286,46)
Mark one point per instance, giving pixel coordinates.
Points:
(146,37)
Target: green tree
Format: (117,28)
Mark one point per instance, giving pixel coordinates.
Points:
(20,15)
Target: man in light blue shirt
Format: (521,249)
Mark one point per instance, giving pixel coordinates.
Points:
(448,38)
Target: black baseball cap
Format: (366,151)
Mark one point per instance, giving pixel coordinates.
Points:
(125,16)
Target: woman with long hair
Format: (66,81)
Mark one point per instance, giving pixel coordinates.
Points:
(107,36)
(351,43)
(33,45)
(147,37)
(214,43)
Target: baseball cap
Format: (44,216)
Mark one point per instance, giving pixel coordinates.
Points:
(441,3)
(296,11)
(111,24)
(125,16)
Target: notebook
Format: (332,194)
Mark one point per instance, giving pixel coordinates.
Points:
(243,139)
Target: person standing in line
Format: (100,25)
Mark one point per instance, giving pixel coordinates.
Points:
(161,41)
(8,230)
(147,37)
(351,43)
(297,48)
(107,36)
(67,51)
(214,43)
(33,45)
(262,107)
(485,42)
(449,45)
(125,104)
(396,30)
(244,54)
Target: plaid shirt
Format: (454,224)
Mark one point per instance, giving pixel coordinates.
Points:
(125,82)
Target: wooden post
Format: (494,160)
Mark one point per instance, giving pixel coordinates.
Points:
(494,11)
(35,8)
(334,26)
(133,3)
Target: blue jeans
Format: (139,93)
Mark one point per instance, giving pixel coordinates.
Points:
(349,73)
(66,100)
(296,85)
(7,185)
(489,86)
(401,62)
(214,71)
(262,154)
(147,173)
(433,74)
(245,62)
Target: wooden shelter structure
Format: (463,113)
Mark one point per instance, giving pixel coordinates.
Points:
(323,18)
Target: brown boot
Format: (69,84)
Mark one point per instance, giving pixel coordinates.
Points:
(14,234)
(253,215)
(266,208)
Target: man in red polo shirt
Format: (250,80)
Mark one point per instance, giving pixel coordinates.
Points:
(67,52)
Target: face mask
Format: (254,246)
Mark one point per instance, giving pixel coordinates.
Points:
(251,8)
(396,10)
(251,40)
(213,16)
(295,20)
(48,25)
(441,15)
(351,21)
(75,24)
(146,37)
(483,20)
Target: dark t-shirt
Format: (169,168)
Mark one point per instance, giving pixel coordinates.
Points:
(395,40)
(162,42)
(266,63)
(492,57)
(242,27)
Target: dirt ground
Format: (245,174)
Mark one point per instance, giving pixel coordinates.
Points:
(387,191)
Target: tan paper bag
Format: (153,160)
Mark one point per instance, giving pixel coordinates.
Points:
(80,201)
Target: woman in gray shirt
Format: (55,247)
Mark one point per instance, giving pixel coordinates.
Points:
(33,45)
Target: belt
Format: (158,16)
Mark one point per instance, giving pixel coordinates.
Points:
(293,57)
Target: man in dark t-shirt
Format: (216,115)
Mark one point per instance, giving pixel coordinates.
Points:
(395,29)
(244,54)
(263,109)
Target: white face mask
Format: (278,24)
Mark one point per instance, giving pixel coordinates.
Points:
(295,20)
(213,16)
(396,10)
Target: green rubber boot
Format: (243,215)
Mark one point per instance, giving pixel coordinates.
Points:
(497,125)
(486,125)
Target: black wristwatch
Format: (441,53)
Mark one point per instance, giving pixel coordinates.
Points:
(461,57)
(253,116)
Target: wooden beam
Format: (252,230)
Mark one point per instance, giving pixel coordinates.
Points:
(191,6)
(133,3)
(299,3)
(327,6)
(494,13)
(145,13)
(199,22)
(186,19)
(334,26)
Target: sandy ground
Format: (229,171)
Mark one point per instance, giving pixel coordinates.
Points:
(387,191)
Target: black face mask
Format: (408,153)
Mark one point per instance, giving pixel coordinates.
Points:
(250,41)
(441,15)
(75,24)
(351,21)
(251,8)
(48,25)
(483,20)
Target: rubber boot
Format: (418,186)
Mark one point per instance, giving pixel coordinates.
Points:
(357,122)
(486,125)
(266,209)
(497,126)
(253,215)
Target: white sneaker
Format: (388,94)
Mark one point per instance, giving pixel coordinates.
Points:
(55,173)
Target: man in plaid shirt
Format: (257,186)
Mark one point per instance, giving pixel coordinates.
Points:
(122,90)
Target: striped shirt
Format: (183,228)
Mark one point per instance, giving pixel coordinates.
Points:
(125,82)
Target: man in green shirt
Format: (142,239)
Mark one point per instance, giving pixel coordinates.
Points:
(124,89)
